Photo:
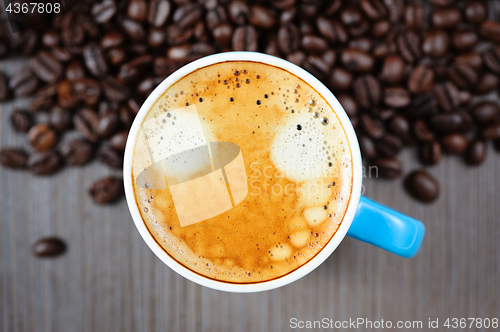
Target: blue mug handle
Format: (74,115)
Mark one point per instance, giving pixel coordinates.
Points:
(386,228)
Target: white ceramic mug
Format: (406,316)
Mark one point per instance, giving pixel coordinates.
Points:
(377,224)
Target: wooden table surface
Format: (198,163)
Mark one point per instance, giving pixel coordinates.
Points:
(109,280)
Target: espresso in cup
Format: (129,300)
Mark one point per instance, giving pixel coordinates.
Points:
(276,183)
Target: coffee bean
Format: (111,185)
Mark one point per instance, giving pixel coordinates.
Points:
(113,90)
(106,190)
(23,83)
(110,157)
(464,76)
(326,28)
(492,59)
(103,11)
(313,44)
(475,11)
(393,69)
(94,60)
(13,158)
(137,10)
(367,147)
(60,119)
(44,163)
(288,38)
(48,247)
(107,125)
(21,121)
(446,17)
(389,145)
(245,39)
(239,12)
(87,90)
(485,112)
(414,16)
(492,132)
(422,105)
(349,104)
(454,143)
(112,39)
(356,60)
(77,152)
(435,43)
(388,168)
(340,79)
(400,126)
(422,186)
(316,66)
(464,39)
(394,9)
(187,15)
(430,153)
(158,12)
(86,122)
(367,91)
(75,71)
(473,59)
(421,79)
(46,67)
(491,30)
(50,39)
(351,16)
(408,43)
(373,9)
(447,96)
(373,127)
(422,132)
(41,137)
(476,152)
(447,123)
(133,29)
(118,141)
(486,83)
(116,56)
(4,90)
(381,28)
(396,97)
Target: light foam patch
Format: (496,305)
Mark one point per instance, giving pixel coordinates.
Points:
(303,154)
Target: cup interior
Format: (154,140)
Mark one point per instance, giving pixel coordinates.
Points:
(356,163)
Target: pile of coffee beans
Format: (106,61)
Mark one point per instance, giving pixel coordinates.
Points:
(421,73)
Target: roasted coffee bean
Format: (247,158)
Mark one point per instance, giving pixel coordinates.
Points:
(447,96)
(134,29)
(430,153)
(422,132)
(106,190)
(367,91)
(492,59)
(422,105)
(87,90)
(340,79)
(112,39)
(486,83)
(223,33)
(393,69)
(356,60)
(134,105)
(158,12)
(447,123)
(389,145)
(46,67)
(383,113)
(13,158)
(21,121)
(351,16)
(491,30)
(454,143)
(374,9)
(485,112)
(110,157)
(313,44)
(446,17)
(288,38)
(75,71)
(77,152)
(133,70)
(297,58)
(107,125)
(44,163)
(146,86)
(367,147)
(50,39)
(44,99)
(94,60)
(464,76)
(60,119)
(113,90)
(215,17)
(48,247)
(326,28)
(422,186)
(421,79)
(137,10)
(245,39)
(86,122)
(492,132)
(187,15)
(126,117)
(400,126)
(408,43)
(475,11)
(238,12)
(41,137)
(414,16)
(473,59)
(396,97)
(435,43)
(199,32)
(329,57)
(4,90)
(348,104)
(373,127)
(116,56)
(394,9)
(359,30)
(66,97)
(316,66)
(118,141)
(388,168)
(23,83)
(380,28)
(464,39)
(475,153)
(103,11)
(156,37)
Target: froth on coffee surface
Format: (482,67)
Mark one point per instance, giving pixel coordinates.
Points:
(298,170)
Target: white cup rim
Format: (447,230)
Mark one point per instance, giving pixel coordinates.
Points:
(356,162)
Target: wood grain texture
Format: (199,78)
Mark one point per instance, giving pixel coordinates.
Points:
(109,280)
